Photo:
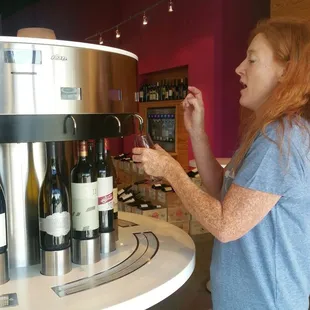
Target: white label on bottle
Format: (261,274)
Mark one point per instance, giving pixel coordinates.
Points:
(168,189)
(2,230)
(57,224)
(121,191)
(195,170)
(143,205)
(130,200)
(85,214)
(105,194)
(126,196)
(115,200)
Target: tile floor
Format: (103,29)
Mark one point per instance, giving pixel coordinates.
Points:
(193,294)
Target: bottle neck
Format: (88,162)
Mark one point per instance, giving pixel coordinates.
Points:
(82,150)
(100,150)
(51,157)
(106,145)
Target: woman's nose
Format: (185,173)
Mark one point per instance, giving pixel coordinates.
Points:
(240,69)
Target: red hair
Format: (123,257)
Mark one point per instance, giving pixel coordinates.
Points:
(290,41)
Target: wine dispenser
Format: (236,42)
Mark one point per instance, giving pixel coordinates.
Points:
(61,91)
(4,268)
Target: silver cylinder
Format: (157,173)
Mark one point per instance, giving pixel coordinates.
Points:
(85,252)
(107,242)
(115,225)
(22,168)
(55,263)
(63,77)
(4,268)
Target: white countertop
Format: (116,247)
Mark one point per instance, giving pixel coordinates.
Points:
(160,257)
(54,42)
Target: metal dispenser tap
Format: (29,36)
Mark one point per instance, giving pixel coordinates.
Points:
(139,118)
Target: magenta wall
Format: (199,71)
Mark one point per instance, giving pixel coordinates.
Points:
(184,37)
(210,36)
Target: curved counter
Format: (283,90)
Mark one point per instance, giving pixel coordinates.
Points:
(152,260)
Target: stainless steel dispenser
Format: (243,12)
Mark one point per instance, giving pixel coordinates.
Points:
(4,268)
(53,90)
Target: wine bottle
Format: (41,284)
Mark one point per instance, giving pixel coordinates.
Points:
(115,189)
(105,190)
(91,153)
(54,216)
(3,237)
(85,217)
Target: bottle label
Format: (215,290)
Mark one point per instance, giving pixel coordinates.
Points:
(121,191)
(85,214)
(115,200)
(105,194)
(57,224)
(168,189)
(2,230)
(126,196)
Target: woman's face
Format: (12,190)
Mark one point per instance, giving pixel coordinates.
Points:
(259,73)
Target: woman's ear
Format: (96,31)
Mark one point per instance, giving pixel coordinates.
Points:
(282,70)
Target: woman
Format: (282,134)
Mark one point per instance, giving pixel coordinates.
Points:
(260,217)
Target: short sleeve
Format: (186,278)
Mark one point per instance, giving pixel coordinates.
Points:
(266,169)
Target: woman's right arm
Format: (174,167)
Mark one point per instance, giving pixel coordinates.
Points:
(211,172)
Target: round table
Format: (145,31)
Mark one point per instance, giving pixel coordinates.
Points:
(152,260)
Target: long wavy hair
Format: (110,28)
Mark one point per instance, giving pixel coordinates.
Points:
(290,100)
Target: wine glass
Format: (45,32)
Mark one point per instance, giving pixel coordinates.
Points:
(145,141)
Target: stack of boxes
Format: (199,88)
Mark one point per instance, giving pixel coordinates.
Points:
(154,200)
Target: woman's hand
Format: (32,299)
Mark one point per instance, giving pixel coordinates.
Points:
(194,111)
(157,163)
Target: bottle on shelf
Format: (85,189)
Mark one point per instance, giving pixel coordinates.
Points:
(185,88)
(85,216)
(105,200)
(4,263)
(167,89)
(54,219)
(115,189)
(141,93)
(176,90)
(163,90)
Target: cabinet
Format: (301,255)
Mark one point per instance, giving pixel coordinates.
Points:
(163,116)
(165,123)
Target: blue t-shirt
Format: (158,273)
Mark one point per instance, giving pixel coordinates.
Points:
(269,267)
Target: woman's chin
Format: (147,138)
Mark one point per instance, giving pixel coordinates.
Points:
(246,105)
